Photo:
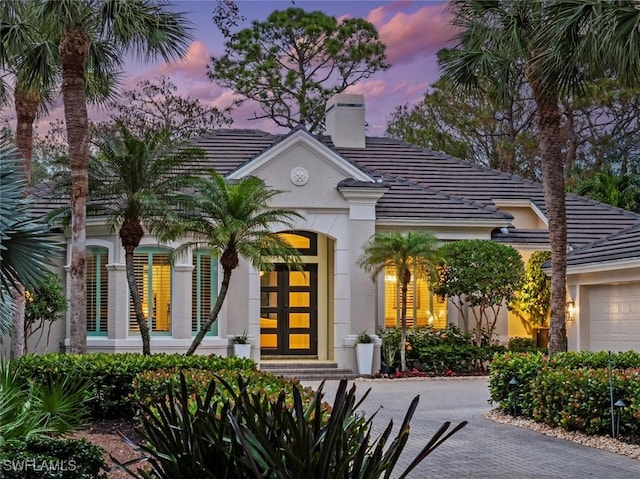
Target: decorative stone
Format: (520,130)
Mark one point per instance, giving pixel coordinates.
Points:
(299,176)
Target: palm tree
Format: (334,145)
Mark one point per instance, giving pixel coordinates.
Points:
(39,409)
(33,60)
(146,27)
(233,219)
(563,46)
(134,180)
(497,38)
(25,251)
(412,253)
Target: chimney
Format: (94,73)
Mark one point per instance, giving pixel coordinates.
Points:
(344,120)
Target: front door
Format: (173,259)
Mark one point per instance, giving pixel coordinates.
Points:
(288,311)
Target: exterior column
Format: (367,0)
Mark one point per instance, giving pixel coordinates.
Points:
(118,302)
(362,198)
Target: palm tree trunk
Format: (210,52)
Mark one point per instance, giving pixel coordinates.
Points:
(137,302)
(131,233)
(403,326)
(213,317)
(74,47)
(546,97)
(17,333)
(26,106)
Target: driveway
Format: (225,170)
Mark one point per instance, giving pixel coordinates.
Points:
(482,449)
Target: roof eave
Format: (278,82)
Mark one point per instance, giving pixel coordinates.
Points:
(603,266)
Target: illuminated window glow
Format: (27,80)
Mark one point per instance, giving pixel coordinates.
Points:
(424,308)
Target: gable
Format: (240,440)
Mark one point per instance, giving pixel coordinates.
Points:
(307,171)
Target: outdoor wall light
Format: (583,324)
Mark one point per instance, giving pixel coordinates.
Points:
(570,311)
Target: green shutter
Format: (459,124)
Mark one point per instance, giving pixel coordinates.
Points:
(204,282)
(97,291)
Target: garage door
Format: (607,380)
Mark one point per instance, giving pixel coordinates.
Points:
(614,312)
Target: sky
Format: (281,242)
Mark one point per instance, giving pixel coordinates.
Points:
(413,32)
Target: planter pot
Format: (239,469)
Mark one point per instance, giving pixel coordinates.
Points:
(242,350)
(388,370)
(364,355)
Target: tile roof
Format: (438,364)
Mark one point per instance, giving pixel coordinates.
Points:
(587,220)
(621,246)
(424,186)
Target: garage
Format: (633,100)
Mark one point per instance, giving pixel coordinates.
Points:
(614,314)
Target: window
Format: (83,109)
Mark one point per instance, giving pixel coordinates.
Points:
(153,276)
(97,291)
(424,308)
(304,241)
(204,289)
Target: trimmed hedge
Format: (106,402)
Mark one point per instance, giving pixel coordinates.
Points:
(48,458)
(569,390)
(150,387)
(112,375)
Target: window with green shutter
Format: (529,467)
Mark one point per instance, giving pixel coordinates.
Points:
(97,291)
(153,277)
(204,289)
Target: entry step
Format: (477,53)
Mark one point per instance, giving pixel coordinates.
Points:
(307,371)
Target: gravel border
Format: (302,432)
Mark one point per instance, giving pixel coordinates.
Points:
(600,442)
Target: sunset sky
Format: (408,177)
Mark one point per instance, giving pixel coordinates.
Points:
(412,30)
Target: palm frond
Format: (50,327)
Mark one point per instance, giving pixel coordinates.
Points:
(26,247)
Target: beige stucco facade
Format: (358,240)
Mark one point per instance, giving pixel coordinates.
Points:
(336,201)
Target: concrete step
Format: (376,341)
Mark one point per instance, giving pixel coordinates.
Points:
(308,371)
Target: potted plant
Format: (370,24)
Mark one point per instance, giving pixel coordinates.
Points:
(241,345)
(364,353)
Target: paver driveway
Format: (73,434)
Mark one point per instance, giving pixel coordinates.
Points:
(483,449)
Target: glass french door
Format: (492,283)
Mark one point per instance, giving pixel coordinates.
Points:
(288,311)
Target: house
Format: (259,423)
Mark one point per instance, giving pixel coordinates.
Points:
(347,186)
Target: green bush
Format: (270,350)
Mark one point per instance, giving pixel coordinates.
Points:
(28,409)
(112,375)
(150,387)
(442,351)
(523,367)
(48,458)
(253,435)
(579,399)
(521,345)
(570,390)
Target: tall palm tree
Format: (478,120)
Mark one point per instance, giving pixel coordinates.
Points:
(33,60)
(25,250)
(234,219)
(146,27)
(133,181)
(563,45)
(413,252)
(495,39)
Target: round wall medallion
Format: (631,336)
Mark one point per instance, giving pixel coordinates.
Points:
(299,176)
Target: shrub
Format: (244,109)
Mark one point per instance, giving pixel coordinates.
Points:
(150,387)
(570,390)
(522,345)
(438,351)
(263,437)
(48,458)
(523,367)
(112,375)
(579,399)
(29,409)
